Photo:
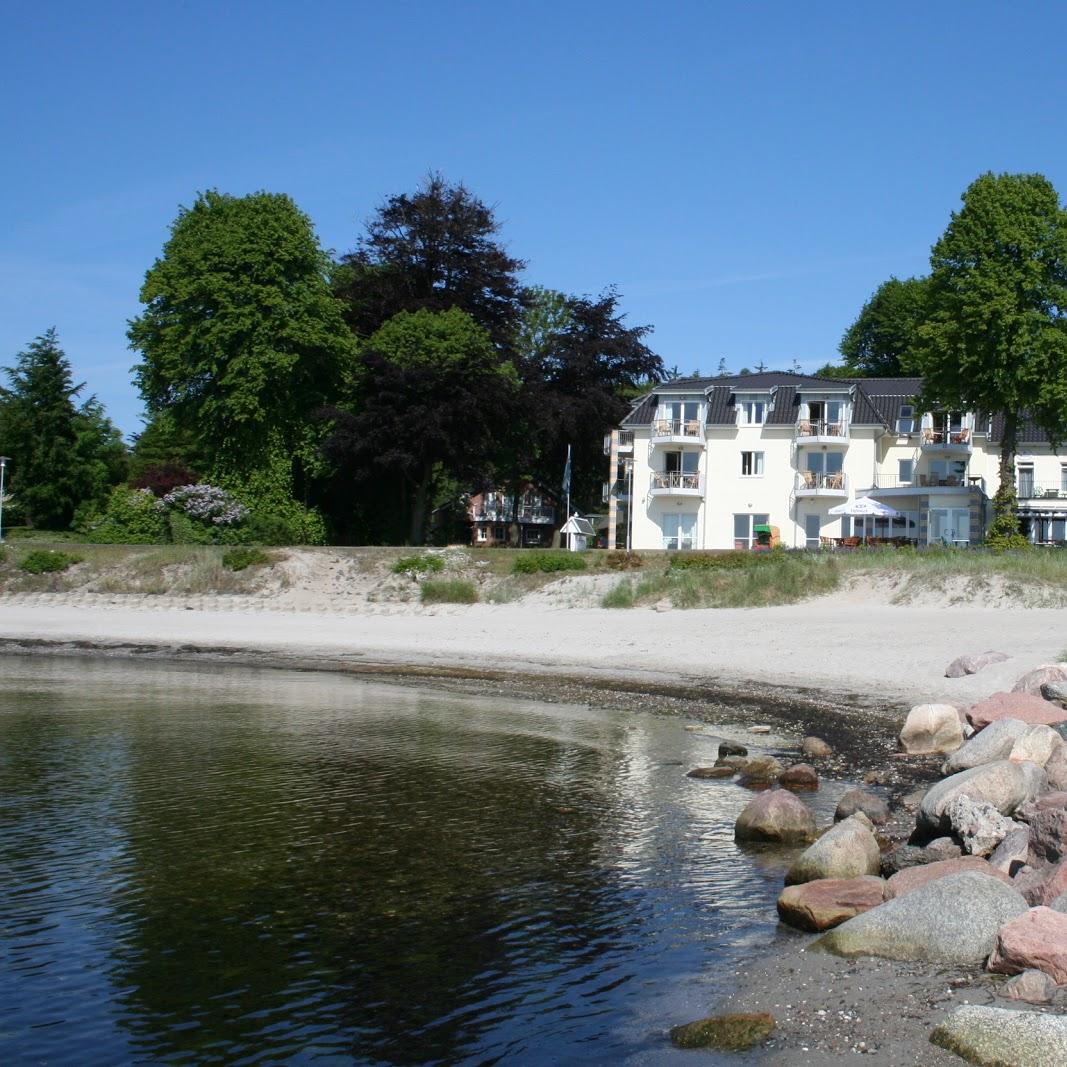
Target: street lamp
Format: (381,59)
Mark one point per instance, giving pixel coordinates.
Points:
(3,467)
(629,471)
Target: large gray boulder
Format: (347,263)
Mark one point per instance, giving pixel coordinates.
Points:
(931,728)
(1001,1037)
(993,743)
(1046,674)
(775,815)
(951,920)
(874,807)
(1037,745)
(846,850)
(1004,784)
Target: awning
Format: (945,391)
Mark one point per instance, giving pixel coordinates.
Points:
(866,505)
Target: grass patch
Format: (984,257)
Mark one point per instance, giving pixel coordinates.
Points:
(239,559)
(551,562)
(416,566)
(623,561)
(46,561)
(449,591)
(619,596)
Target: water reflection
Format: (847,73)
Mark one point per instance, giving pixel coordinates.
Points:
(234,866)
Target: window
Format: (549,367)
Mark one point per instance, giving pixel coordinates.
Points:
(948,472)
(480,533)
(906,419)
(1026,480)
(811,530)
(679,530)
(905,470)
(751,464)
(1063,479)
(743,533)
(751,412)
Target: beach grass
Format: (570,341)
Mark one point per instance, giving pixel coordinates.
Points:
(449,591)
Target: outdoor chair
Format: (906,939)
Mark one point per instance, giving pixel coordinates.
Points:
(804,428)
(809,479)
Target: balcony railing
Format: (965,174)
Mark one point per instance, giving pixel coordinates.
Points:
(493,514)
(821,428)
(941,440)
(1030,490)
(690,429)
(626,442)
(536,513)
(664,482)
(814,483)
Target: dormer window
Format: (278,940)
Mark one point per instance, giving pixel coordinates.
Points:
(906,419)
(751,412)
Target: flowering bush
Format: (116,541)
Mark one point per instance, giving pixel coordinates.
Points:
(208,503)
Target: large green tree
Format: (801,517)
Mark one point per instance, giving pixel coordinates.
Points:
(433,249)
(995,337)
(877,344)
(60,456)
(241,337)
(432,398)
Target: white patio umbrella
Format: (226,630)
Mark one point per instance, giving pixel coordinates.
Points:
(866,505)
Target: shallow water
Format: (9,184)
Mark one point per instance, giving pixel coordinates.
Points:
(228,865)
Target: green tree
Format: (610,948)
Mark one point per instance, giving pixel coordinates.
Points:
(103,455)
(241,338)
(877,344)
(431,398)
(995,339)
(39,432)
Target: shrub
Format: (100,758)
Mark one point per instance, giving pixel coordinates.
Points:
(163,478)
(624,561)
(271,528)
(733,560)
(239,559)
(130,517)
(449,591)
(413,566)
(45,561)
(621,596)
(548,562)
(208,503)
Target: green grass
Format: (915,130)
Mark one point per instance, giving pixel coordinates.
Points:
(239,559)
(619,596)
(45,561)
(547,562)
(415,566)
(449,591)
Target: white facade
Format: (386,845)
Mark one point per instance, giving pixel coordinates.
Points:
(712,458)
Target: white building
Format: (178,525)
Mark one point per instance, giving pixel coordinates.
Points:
(708,459)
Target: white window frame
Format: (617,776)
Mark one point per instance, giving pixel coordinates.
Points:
(756,463)
(747,407)
(677,541)
(910,479)
(909,419)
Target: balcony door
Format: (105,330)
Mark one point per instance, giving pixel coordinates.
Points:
(950,526)
(679,530)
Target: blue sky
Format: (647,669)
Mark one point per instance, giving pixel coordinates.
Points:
(745,174)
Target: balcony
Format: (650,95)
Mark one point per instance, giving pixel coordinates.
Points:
(817,483)
(677,432)
(953,442)
(491,514)
(1031,490)
(891,485)
(537,513)
(821,432)
(676,483)
(626,443)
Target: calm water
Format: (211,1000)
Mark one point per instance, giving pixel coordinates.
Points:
(255,866)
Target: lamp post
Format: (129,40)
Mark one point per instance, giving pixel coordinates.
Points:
(630,504)
(3,467)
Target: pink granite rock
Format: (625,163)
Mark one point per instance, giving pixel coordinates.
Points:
(1048,836)
(973,663)
(828,902)
(801,776)
(1027,707)
(911,878)
(1042,886)
(1035,940)
(1032,681)
(1031,987)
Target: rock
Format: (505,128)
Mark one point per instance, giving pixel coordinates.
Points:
(738,763)
(1048,836)
(1032,681)
(1003,1037)
(728,748)
(904,857)
(877,778)
(1041,887)
(951,920)
(733,1032)
(663,605)
(1012,852)
(1035,940)
(766,768)
(815,748)
(1055,691)
(759,729)
(931,728)
(994,743)
(912,879)
(1036,745)
(1004,784)
(711,772)
(1050,801)
(847,850)
(1033,987)
(1029,707)
(1056,768)
(776,815)
(1059,904)
(973,663)
(943,848)
(977,824)
(828,902)
(875,808)
(799,777)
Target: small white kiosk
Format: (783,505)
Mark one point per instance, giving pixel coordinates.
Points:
(577,533)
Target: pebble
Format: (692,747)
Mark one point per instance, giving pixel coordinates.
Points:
(759,729)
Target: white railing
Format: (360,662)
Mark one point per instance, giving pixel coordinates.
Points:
(675,481)
(821,428)
(1031,490)
(820,481)
(536,513)
(691,428)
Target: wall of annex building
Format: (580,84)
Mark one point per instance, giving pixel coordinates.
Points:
(649,511)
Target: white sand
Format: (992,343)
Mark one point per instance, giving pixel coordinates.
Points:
(876,652)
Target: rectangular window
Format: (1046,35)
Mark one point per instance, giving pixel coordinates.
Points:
(1063,481)
(480,533)
(753,412)
(751,464)
(906,419)
(744,536)
(811,531)
(905,470)
(679,531)
(1026,480)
